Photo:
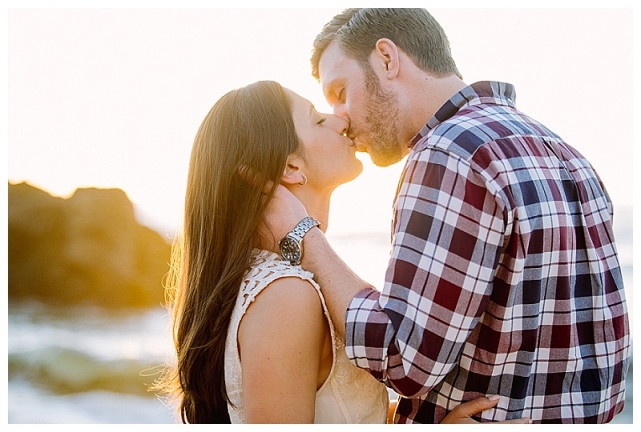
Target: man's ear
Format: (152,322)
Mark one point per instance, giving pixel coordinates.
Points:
(387,55)
(293,174)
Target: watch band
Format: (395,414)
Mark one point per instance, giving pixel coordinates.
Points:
(291,246)
(302,227)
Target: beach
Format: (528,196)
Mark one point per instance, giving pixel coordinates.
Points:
(88,365)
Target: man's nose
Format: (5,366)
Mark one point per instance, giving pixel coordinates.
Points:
(340,111)
(340,124)
(344,124)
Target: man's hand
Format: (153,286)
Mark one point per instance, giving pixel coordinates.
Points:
(463,413)
(282,213)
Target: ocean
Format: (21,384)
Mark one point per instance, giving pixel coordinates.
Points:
(87,365)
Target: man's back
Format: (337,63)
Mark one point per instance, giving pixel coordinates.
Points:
(505,233)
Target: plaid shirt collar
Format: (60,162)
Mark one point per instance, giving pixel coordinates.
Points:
(482,92)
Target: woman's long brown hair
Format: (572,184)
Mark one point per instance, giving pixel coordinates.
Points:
(248,129)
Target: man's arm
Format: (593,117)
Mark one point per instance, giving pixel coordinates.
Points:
(337,281)
(447,238)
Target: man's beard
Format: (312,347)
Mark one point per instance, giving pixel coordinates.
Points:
(381,122)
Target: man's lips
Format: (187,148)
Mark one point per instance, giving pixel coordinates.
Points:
(358,147)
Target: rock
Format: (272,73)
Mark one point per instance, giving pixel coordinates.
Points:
(85,249)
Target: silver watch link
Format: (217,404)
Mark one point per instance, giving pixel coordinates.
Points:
(291,246)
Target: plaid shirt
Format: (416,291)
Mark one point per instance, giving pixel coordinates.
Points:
(504,277)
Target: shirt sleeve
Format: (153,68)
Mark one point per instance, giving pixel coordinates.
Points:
(448,232)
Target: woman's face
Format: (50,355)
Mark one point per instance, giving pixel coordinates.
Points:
(329,156)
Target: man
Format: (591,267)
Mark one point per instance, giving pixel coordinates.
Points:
(503,277)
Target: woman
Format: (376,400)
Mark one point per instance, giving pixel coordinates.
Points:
(253,337)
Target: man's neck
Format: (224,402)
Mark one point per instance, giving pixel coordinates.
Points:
(425,95)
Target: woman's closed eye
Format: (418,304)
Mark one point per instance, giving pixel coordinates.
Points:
(321,121)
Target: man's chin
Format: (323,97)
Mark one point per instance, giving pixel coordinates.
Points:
(385,160)
(360,148)
(378,158)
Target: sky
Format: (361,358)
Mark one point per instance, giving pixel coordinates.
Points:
(114,97)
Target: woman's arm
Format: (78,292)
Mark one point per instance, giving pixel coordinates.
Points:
(280,342)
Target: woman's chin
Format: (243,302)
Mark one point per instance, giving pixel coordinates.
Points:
(358,170)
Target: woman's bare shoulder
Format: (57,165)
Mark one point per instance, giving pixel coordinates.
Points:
(280,344)
(287,307)
(287,295)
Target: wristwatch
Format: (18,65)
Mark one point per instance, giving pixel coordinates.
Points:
(291,246)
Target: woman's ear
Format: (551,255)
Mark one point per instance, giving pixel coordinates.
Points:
(293,174)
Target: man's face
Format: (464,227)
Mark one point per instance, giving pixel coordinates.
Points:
(355,93)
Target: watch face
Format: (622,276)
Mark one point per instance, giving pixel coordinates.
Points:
(290,249)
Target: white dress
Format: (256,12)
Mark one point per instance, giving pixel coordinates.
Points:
(349,395)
